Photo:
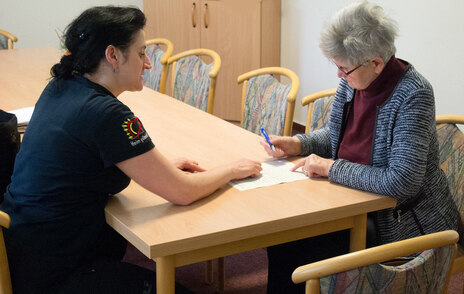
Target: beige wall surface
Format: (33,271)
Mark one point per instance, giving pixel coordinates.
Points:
(38,23)
(431,38)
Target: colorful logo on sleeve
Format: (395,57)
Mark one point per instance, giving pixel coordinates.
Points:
(134,130)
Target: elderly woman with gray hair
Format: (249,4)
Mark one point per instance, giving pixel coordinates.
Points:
(381,138)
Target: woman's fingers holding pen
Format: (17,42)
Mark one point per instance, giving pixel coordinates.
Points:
(274,153)
(246,168)
(284,146)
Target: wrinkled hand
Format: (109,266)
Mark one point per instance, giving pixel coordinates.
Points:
(187,165)
(284,146)
(246,168)
(314,166)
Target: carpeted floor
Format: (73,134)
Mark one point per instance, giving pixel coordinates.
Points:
(246,273)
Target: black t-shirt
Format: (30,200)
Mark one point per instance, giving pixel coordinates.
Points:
(64,174)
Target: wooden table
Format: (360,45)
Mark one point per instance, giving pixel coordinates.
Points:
(228,221)
(23,75)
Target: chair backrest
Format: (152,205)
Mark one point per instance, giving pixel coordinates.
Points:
(5,280)
(319,108)
(156,77)
(194,81)
(268,103)
(368,270)
(7,39)
(451,152)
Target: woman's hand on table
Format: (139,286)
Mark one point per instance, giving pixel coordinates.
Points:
(314,166)
(244,168)
(187,165)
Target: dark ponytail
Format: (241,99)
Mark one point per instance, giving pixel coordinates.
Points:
(63,69)
(88,36)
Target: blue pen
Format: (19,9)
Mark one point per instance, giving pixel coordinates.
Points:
(263,131)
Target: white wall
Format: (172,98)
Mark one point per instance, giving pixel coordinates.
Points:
(34,22)
(431,38)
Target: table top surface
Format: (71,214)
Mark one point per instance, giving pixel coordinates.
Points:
(159,228)
(228,215)
(24,75)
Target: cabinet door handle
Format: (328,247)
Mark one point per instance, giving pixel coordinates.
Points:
(206,15)
(194,11)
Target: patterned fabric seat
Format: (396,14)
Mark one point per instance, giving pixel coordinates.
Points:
(451,152)
(320,106)
(194,81)
(423,274)
(7,39)
(268,103)
(155,78)
(3,42)
(152,77)
(379,270)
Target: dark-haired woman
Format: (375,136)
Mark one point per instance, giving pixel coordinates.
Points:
(76,153)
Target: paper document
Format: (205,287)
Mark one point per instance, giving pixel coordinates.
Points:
(273,173)
(24,116)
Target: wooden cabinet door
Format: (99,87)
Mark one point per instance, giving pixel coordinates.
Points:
(176,20)
(232,29)
(245,34)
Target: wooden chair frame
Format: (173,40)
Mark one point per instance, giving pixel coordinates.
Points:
(10,38)
(310,99)
(291,97)
(458,264)
(212,74)
(450,119)
(164,60)
(311,273)
(5,279)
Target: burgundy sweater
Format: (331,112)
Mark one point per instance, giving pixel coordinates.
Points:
(356,144)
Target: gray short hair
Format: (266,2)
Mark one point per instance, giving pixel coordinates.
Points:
(359,32)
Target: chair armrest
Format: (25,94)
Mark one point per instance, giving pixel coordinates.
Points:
(373,255)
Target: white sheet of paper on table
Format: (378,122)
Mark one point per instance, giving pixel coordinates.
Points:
(23,114)
(273,173)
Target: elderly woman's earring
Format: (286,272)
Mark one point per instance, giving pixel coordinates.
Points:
(115,70)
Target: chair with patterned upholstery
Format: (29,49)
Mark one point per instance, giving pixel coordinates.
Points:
(383,269)
(5,280)
(7,39)
(193,80)
(451,151)
(319,107)
(268,103)
(158,51)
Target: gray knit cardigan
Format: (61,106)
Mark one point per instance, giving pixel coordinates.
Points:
(404,159)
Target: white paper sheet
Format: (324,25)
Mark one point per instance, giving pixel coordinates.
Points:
(23,115)
(273,173)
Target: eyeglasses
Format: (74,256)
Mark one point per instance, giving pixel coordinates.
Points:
(347,73)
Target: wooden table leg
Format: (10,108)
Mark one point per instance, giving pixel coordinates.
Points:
(209,272)
(165,275)
(358,233)
(221,274)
